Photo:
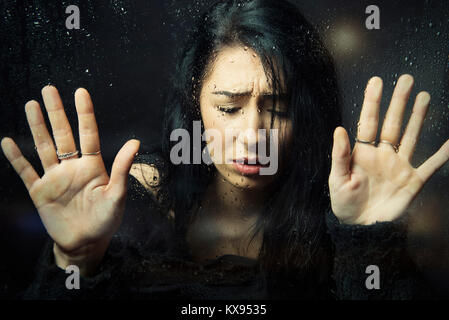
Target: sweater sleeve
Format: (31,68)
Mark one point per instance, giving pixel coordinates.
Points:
(50,280)
(365,254)
(141,227)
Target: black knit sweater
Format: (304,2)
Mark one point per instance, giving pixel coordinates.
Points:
(137,265)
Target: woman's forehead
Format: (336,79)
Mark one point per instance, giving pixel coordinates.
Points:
(237,69)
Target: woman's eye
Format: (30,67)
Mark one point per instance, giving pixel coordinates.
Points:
(228,109)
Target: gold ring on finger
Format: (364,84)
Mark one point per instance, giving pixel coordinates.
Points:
(90,153)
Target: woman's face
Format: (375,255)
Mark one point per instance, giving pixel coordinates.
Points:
(236,97)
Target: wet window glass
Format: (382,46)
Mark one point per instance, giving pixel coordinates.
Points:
(294,149)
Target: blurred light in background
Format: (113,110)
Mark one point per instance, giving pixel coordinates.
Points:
(344,39)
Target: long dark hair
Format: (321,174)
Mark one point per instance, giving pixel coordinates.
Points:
(293,221)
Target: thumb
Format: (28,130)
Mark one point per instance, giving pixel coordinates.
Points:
(341,156)
(121,166)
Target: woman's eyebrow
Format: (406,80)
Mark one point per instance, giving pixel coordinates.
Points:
(242,93)
(232,94)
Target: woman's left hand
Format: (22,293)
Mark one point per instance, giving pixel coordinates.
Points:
(378,183)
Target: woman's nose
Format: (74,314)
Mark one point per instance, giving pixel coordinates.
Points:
(253,117)
(253,122)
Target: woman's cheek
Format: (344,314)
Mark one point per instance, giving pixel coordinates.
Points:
(216,125)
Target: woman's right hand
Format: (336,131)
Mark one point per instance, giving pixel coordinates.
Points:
(80,206)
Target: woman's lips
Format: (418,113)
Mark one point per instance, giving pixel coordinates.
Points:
(245,168)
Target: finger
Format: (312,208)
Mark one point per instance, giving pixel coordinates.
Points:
(62,132)
(341,157)
(42,139)
(414,126)
(369,116)
(88,129)
(121,166)
(428,168)
(392,123)
(19,163)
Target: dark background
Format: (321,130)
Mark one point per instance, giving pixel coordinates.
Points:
(123,54)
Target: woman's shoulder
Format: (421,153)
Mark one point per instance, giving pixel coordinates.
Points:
(150,169)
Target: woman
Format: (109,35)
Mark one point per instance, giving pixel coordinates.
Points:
(247,65)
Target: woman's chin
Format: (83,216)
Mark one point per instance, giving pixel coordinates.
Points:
(249,182)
